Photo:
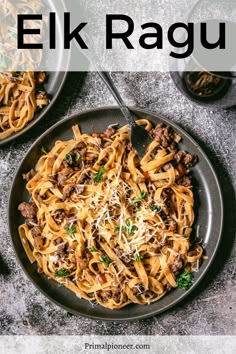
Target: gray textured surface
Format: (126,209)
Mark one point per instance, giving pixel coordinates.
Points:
(211,309)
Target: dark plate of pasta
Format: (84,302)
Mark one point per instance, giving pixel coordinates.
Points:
(106,234)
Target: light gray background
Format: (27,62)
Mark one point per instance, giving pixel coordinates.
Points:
(208,311)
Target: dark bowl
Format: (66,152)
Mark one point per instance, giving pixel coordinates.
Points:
(207,226)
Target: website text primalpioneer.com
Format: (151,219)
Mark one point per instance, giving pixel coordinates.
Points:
(112,346)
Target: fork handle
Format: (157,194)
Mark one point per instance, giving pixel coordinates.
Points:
(106,77)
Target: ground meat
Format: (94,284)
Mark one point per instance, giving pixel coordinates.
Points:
(58,241)
(126,258)
(179,155)
(176,266)
(163,135)
(138,289)
(70,250)
(129,147)
(185,181)
(67,192)
(38,242)
(59,216)
(168,287)
(89,161)
(166,167)
(116,296)
(81,145)
(109,294)
(65,163)
(181,170)
(36,231)
(79,188)
(63,175)
(52,178)
(31,222)
(6,125)
(28,211)
(166,193)
(41,78)
(27,176)
(87,255)
(41,95)
(61,250)
(190,160)
(110,131)
(83,177)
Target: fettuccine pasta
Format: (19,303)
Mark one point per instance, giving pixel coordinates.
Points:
(109,226)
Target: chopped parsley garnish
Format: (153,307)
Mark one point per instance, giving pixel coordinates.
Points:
(185,280)
(43,151)
(155,208)
(129,227)
(137,256)
(78,156)
(99,175)
(93,249)
(70,230)
(118,228)
(139,199)
(105,260)
(61,273)
(69,159)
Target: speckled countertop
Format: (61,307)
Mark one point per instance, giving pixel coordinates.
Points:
(208,311)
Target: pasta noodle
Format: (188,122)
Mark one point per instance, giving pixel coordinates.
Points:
(105,224)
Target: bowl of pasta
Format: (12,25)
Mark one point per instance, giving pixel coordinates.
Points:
(108,235)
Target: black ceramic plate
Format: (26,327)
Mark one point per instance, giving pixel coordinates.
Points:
(209,214)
